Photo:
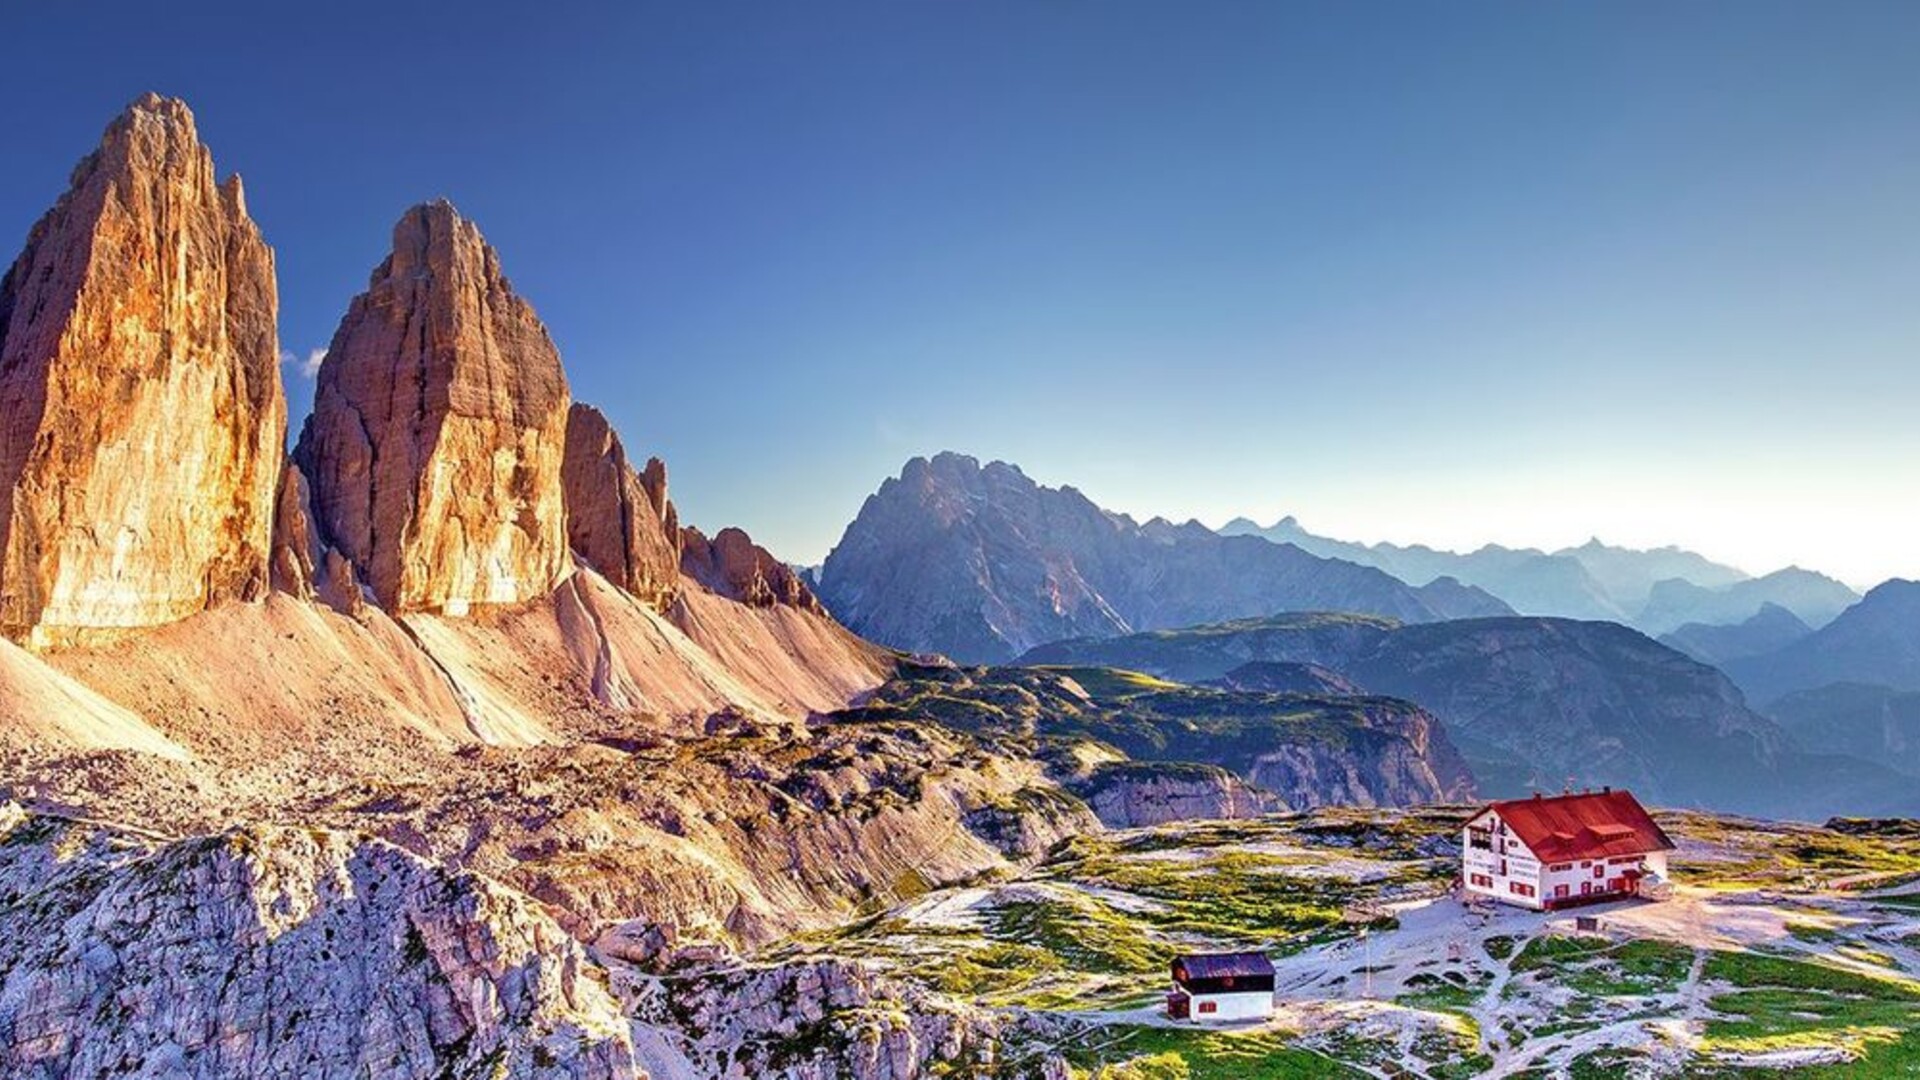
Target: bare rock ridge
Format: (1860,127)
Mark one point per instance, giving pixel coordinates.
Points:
(142,418)
(439,427)
(732,565)
(619,521)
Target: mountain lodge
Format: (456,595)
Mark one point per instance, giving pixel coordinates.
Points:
(1221,986)
(1558,851)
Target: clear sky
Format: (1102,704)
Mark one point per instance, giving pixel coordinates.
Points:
(1446,272)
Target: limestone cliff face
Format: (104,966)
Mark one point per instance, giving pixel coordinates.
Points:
(141,411)
(1139,794)
(439,427)
(619,521)
(732,565)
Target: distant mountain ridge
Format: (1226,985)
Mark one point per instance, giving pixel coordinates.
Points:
(981,563)
(1539,702)
(1873,723)
(1876,641)
(1655,590)
(1773,627)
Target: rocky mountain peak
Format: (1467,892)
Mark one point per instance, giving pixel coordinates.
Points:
(143,415)
(981,563)
(439,428)
(620,521)
(732,565)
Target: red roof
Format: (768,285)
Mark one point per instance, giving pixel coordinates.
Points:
(1590,825)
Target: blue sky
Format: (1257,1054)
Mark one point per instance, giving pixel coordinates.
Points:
(1442,272)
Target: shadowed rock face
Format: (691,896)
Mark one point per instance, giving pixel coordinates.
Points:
(141,411)
(619,521)
(438,429)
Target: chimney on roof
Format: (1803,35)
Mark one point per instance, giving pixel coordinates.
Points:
(1606,789)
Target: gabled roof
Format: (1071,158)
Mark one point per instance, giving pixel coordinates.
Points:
(1238,965)
(1589,825)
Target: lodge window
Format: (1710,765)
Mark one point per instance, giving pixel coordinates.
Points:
(1559,890)
(1209,1006)
(1557,867)
(1480,838)
(1600,871)
(1481,880)
(1519,889)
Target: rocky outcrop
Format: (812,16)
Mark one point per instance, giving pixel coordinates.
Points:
(619,521)
(1395,755)
(279,952)
(296,560)
(822,1019)
(141,413)
(1186,743)
(1138,794)
(744,838)
(439,427)
(1278,677)
(980,563)
(735,567)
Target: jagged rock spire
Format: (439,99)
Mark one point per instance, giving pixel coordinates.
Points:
(439,426)
(619,520)
(142,417)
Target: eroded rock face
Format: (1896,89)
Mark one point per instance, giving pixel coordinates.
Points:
(732,565)
(1135,794)
(141,411)
(619,521)
(295,558)
(282,952)
(439,427)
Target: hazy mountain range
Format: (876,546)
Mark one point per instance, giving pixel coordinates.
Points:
(980,563)
(1653,590)
(1877,641)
